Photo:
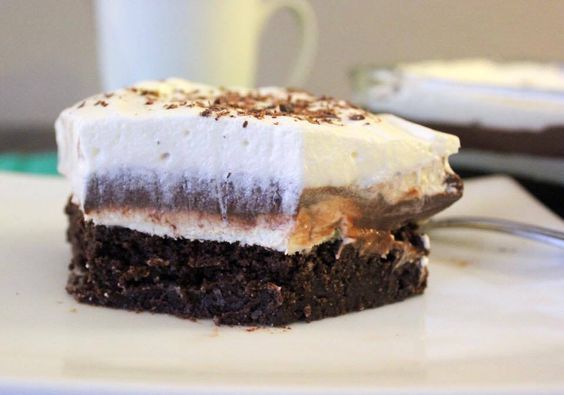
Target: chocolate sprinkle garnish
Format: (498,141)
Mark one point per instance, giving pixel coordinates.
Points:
(290,103)
(102,103)
(356,117)
(245,124)
(147,92)
(285,107)
(81,104)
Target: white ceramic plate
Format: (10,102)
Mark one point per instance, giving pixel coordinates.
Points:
(491,321)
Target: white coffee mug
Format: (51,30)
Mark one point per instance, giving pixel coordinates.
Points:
(209,41)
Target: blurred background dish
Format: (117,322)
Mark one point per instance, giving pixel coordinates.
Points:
(508,115)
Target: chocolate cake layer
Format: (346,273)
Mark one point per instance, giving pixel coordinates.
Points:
(234,284)
(546,142)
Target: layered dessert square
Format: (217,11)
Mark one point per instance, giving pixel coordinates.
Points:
(260,207)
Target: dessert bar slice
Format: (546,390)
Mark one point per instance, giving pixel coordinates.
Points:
(263,206)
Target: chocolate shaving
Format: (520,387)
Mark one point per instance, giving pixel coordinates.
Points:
(286,107)
(148,92)
(102,103)
(290,103)
(356,117)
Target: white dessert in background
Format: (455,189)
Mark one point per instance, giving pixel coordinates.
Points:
(520,95)
(498,109)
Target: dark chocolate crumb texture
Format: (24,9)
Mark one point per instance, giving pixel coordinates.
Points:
(233,284)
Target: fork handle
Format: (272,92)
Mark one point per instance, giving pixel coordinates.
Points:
(538,233)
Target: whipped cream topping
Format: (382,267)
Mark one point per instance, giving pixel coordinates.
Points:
(175,127)
(514,95)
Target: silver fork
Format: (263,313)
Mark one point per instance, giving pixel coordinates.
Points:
(538,233)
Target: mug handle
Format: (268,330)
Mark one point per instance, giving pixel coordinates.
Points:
(307,23)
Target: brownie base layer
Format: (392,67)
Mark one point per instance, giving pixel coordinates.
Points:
(232,284)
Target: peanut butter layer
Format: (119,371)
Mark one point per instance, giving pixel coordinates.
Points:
(339,212)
